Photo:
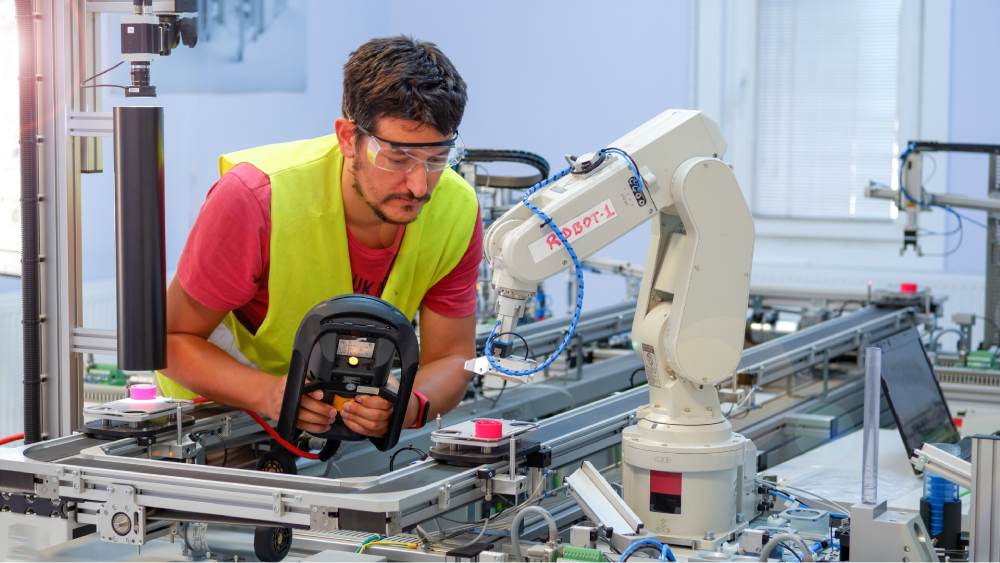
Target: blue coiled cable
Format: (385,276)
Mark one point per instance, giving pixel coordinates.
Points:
(577,267)
(665,553)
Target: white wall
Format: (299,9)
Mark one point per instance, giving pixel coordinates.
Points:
(974,115)
(553,77)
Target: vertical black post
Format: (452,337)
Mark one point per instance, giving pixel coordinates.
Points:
(991,333)
(30,274)
(142,337)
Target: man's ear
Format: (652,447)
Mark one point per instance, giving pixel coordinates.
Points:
(346,136)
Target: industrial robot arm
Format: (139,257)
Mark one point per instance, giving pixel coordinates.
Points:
(684,471)
(692,306)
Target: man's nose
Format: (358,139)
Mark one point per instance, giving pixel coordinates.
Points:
(416,181)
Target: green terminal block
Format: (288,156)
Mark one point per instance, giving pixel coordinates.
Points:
(105,374)
(981,359)
(573,553)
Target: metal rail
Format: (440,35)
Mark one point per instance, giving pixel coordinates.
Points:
(815,345)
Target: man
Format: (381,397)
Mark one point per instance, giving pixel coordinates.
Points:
(373,209)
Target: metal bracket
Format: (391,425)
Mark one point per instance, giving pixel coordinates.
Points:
(481,366)
(48,487)
(600,502)
(506,485)
(984,540)
(937,461)
(94,341)
(120,519)
(278,505)
(444,497)
(820,425)
(172,450)
(323,519)
(77,481)
(90,124)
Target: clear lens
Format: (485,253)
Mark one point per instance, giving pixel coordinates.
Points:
(386,156)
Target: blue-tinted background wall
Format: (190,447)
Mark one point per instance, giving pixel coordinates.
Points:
(974,115)
(552,77)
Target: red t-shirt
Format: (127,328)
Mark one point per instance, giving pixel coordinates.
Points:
(225,262)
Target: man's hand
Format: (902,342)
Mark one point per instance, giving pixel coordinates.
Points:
(315,416)
(369,415)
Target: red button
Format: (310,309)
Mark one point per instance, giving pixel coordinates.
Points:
(958,421)
(908,287)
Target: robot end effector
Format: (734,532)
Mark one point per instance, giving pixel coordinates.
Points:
(510,308)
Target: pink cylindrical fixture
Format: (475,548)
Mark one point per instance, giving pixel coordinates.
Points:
(142,391)
(489,428)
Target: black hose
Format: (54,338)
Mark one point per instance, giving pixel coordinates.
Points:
(30,292)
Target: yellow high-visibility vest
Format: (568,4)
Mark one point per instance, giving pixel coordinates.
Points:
(309,253)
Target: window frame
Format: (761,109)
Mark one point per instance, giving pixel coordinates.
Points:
(724,86)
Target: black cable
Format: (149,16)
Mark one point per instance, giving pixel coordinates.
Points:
(844,305)
(103,72)
(225,450)
(392,458)
(527,349)
(631,376)
(500,394)
(795,553)
(527,355)
(104,86)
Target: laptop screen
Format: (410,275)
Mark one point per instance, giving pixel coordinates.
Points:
(913,393)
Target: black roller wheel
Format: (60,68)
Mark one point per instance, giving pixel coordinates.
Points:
(277,461)
(271,544)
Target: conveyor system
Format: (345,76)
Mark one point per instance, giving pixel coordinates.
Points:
(88,474)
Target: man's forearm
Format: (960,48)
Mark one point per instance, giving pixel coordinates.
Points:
(443,381)
(205,369)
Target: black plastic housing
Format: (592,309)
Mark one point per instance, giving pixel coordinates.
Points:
(139,232)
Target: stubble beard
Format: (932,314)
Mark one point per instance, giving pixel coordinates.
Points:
(356,185)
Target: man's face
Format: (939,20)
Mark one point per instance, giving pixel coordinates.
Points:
(396,196)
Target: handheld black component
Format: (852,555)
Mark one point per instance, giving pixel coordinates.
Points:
(345,347)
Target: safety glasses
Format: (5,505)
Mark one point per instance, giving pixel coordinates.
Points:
(402,157)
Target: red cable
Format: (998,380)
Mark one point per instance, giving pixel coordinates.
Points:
(277,438)
(10,439)
(267,428)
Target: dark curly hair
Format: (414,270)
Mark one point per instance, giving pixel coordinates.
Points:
(404,78)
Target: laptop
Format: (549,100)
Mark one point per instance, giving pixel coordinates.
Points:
(914,395)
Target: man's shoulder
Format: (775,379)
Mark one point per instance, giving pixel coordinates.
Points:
(247,175)
(241,190)
(275,158)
